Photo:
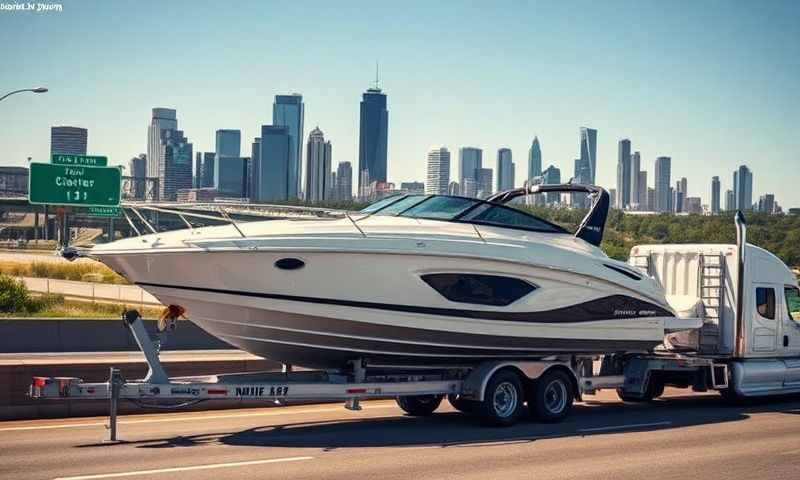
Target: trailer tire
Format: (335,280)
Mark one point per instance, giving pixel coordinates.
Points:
(462,405)
(419,405)
(551,396)
(503,400)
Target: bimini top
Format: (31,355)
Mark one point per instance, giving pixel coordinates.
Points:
(493,212)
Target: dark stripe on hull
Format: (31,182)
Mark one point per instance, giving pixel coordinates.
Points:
(330,343)
(613,307)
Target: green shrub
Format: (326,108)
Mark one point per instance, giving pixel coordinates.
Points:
(14,296)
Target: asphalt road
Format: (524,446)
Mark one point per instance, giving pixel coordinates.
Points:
(680,437)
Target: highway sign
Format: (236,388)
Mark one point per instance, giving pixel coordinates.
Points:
(88,160)
(74,185)
(104,211)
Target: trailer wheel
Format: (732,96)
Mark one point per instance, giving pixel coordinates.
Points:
(503,400)
(419,405)
(552,396)
(462,405)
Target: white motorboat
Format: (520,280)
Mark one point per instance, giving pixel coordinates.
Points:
(410,280)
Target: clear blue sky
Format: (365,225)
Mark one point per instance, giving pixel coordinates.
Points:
(711,84)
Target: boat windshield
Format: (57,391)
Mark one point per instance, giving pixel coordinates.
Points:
(460,209)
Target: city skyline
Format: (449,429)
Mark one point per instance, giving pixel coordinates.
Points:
(695,53)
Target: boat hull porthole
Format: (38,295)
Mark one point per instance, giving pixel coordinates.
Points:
(290,264)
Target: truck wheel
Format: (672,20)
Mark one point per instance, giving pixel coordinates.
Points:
(461,404)
(552,396)
(655,388)
(419,405)
(503,400)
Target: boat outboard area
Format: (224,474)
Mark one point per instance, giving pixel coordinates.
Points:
(409,280)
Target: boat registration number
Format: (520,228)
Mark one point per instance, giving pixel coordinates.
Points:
(263,391)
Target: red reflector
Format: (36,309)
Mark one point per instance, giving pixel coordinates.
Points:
(217,391)
(39,381)
(356,390)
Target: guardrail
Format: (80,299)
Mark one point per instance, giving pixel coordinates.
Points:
(128,294)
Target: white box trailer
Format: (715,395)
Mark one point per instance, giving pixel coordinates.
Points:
(748,344)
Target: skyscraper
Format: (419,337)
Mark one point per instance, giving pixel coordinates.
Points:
(766,203)
(289,111)
(483,180)
(743,188)
(730,201)
(534,159)
(644,204)
(438,171)
(344,181)
(175,164)
(505,170)
(230,170)
(662,184)
(623,173)
(198,169)
(207,177)
(588,161)
(636,166)
(373,136)
(318,171)
(551,176)
(470,159)
(255,163)
(162,119)
(271,173)
(69,140)
(678,197)
(715,190)
(137,167)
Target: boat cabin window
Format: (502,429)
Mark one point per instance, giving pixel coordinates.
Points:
(478,289)
(402,205)
(501,216)
(792,296)
(381,204)
(765,302)
(441,207)
(460,209)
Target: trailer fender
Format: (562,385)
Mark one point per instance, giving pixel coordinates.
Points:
(474,385)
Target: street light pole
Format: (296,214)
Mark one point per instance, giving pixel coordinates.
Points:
(34,90)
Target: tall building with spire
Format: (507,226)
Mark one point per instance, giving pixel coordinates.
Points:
(373,136)
(289,111)
(534,159)
(586,170)
(318,169)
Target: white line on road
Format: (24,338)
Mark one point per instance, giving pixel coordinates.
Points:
(623,427)
(186,469)
(190,418)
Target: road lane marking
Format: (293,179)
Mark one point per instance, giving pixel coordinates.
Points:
(623,427)
(185,469)
(190,418)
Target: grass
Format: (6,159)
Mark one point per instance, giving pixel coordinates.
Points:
(79,271)
(61,308)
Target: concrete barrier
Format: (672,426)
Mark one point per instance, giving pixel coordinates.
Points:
(84,335)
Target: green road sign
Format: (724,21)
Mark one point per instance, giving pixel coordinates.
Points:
(104,211)
(88,160)
(74,185)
